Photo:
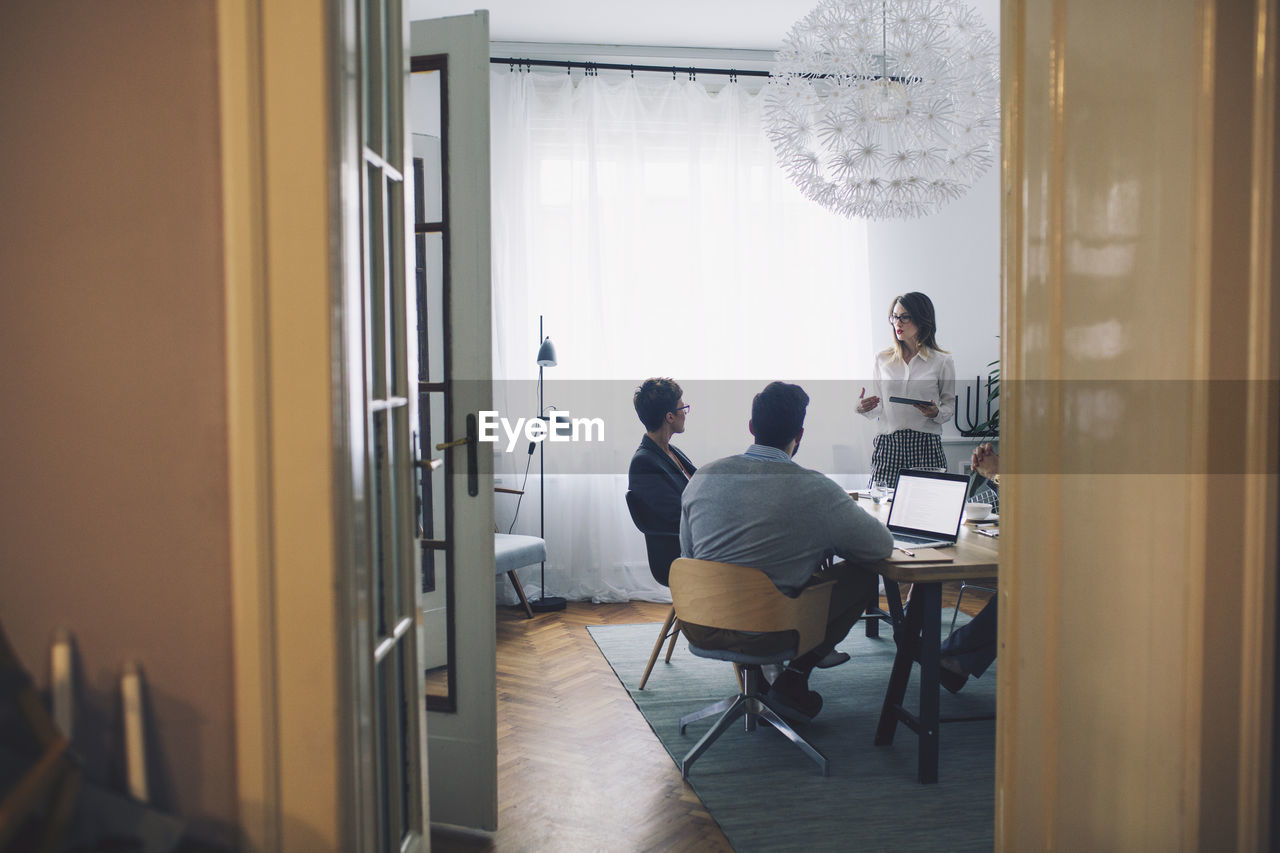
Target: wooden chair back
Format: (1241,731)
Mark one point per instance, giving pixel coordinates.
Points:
(740,598)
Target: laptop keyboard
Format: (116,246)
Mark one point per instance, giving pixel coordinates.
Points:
(903,539)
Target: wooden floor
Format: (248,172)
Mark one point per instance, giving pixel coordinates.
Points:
(578,766)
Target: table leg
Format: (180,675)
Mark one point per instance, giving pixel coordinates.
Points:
(894,596)
(872,618)
(904,629)
(930,609)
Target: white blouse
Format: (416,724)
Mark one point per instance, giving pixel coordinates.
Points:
(930,375)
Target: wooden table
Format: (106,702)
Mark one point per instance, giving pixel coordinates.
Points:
(918,635)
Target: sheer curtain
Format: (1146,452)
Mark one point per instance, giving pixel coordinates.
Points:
(646,221)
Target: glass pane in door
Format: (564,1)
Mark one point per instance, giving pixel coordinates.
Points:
(391,738)
(426,91)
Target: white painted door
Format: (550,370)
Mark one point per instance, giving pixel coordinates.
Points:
(448,118)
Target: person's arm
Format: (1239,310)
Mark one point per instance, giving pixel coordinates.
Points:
(946,390)
(654,488)
(942,396)
(870,405)
(856,535)
(986,461)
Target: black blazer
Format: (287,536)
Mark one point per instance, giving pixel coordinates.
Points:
(658,482)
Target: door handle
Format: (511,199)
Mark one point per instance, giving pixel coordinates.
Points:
(473,454)
(473,457)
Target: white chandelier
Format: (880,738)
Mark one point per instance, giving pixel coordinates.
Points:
(885,108)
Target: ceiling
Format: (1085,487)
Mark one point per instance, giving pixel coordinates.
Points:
(719,24)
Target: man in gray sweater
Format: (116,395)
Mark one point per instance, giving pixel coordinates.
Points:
(761,509)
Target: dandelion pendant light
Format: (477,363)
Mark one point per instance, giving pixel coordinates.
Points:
(885,108)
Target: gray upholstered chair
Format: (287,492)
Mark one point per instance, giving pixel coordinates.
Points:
(738,598)
(515,551)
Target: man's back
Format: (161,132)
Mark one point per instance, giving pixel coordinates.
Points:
(760,509)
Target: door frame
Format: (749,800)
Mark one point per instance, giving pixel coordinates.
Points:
(287,107)
(1197,727)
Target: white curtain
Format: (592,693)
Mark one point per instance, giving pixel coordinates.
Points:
(646,220)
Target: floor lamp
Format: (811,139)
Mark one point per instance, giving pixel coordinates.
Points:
(546,358)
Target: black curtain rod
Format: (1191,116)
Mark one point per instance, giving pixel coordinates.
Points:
(591,67)
(673,70)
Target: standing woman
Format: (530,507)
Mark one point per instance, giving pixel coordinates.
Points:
(910,435)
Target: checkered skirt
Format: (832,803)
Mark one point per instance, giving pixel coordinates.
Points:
(905,448)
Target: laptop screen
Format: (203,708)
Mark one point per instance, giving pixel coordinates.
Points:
(929,503)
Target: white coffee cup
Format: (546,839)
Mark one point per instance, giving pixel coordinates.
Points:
(976,511)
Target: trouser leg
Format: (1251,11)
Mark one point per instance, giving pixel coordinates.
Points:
(974,643)
(855,588)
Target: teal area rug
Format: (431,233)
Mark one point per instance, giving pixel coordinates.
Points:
(767,795)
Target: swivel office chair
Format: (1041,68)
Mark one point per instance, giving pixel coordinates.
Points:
(739,598)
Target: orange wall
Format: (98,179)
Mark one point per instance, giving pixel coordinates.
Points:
(113,456)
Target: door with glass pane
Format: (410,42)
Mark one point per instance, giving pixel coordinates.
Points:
(448,119)
(388,765)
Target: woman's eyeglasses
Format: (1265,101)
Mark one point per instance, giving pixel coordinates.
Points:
(900,318)
(684,409)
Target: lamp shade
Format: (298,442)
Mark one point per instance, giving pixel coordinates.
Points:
(547,354)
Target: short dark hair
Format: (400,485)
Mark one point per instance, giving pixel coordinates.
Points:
(654,398)
(777,414)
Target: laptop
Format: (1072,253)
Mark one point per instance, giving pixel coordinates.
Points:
(927,509)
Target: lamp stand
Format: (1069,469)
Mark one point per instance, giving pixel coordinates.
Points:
(543,603)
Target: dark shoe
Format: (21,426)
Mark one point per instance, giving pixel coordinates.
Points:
(790,693)
(833,658)
(950,679)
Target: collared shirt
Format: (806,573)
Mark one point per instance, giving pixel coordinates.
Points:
(930,375)
(764,451)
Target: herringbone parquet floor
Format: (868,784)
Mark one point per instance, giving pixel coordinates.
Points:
(579,769)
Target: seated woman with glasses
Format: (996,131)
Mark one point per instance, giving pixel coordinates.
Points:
(659,471)
(914,368)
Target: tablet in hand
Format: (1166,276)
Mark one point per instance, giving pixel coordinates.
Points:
(910,402)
